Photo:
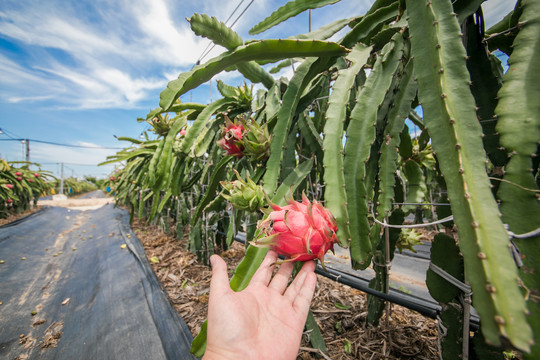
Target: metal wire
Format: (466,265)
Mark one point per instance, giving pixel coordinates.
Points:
(446,219)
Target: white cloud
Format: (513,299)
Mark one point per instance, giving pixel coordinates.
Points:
(495,10)
(106,54)
(104,61)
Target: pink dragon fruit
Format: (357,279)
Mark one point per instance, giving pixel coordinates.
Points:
(299,231)
(231,134)
(182,132)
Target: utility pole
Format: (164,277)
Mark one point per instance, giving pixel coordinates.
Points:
(61,178)
(27,150)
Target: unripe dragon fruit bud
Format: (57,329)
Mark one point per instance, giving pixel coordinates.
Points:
(256,140)
(182,132)
(9,201)
(231,134)
(9,186)
(36,175)
(299,231)
(19,178)
(243,195)
(112,178)
(18,173)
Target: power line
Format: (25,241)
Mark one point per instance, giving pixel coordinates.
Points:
(9,134)
(69,163)
(66,145)
(210,43)
(207,50)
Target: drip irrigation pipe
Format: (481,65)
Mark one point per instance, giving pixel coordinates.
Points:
(415,303)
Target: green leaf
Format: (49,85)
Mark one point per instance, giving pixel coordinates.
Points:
(518,115)
(370,25)
(220,34)
(450,116)
(286,112)
(290,9)
(335,195)
(324,32)
(258,50)
(292,181)
(217,176)
(445,254)
(315,336)
(360,137)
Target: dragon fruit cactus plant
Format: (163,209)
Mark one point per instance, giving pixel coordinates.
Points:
(231,135)
(300,231)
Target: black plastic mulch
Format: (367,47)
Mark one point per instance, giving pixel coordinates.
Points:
(68,290)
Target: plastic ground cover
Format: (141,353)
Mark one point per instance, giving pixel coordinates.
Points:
(69,290)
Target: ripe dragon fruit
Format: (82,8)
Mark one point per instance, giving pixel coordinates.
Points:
(231,134)
(300,231)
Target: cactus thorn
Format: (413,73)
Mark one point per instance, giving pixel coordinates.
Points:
(438,46)
(499,320)
(481,255)
(475,224)
(452,121)
(443,95)
(435,23)
(490,289)
(458,146)
(441,70)
(461,171)
(467,196)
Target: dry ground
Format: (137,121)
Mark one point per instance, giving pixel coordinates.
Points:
(339,310)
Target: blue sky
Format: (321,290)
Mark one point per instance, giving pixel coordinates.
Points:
(81,72)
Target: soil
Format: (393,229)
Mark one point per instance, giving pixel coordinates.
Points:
(339,310)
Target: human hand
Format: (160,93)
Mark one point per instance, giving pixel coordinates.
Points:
(263,321)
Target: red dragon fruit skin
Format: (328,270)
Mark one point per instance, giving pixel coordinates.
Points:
(300,231)
(230,135)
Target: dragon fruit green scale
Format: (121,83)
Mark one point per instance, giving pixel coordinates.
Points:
(300,231)
(244,195)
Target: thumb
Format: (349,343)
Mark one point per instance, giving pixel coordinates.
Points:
(219,284)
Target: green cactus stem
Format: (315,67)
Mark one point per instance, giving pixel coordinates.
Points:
(450,116)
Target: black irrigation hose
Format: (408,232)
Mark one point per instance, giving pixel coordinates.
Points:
(424,307)
(415,303)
